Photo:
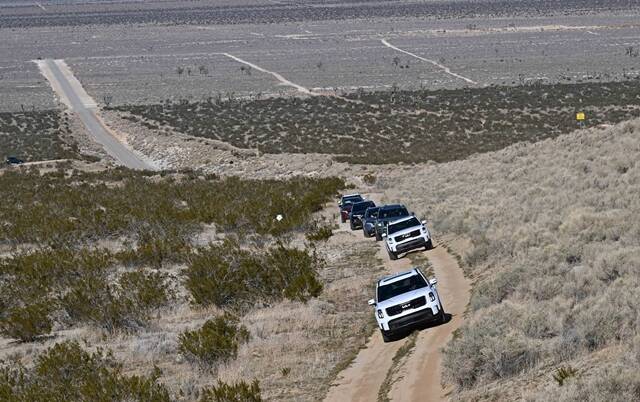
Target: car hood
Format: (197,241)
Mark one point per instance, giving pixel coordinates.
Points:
(405,231)
(387,220)
(405,297)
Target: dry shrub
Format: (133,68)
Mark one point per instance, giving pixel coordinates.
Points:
(238,392)
(217,341)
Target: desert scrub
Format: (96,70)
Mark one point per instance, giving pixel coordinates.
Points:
(66,372)
(216,342)
(78,285)
(36,135)
(63,207)
(420,125)
(227,275)
(238,392)
(319,231)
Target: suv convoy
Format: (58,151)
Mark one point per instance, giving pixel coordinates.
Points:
(357,212)
(369,221)
(404,300)
(345,204)
(386,214)
(406,234)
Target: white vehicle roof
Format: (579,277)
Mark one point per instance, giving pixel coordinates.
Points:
(351,195)
(397,277)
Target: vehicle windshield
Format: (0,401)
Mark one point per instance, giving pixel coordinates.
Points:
(362,206)
(371,212)
(351,199)
(399,287)
(393,213)
(397,227)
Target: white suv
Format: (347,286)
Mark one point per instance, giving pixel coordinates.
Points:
(406,299)
(406,234)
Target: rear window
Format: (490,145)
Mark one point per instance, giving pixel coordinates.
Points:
(396,288)
(371,212)
(362,206)
(351,199)
(393,213)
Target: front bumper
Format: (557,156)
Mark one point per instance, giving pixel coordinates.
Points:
(412,244)
(419,317)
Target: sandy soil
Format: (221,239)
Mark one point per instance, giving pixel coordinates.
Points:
(419,379)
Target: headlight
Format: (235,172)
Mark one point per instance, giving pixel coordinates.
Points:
(431,296)
(380,315)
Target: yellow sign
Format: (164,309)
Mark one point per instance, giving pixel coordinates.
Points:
(580,116)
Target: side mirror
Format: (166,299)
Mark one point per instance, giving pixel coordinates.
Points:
(424,222)
(433,281)
(384,235)
(372,302)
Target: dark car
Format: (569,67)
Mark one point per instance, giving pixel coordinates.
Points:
(345,204)
(386,214)
(369,221)
(12,160)
(357,212)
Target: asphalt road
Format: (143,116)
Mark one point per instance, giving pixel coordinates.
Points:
(82,104)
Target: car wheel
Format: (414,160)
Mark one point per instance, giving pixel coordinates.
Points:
(351,225)
(378,236)
(342,219)
(443,317)
(387,336)
(428,245)
(364,232)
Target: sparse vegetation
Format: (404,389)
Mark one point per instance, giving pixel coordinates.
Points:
(320,231)
(239,392)
(217,341)
(66,372)
(227,275)
(441,125)
(36,135)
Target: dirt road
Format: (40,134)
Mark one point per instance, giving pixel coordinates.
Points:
(419,377)
(73,95)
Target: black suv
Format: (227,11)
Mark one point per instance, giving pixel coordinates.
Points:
(12,160)
(369,221)
(386,214)
(357,212)
(345,204)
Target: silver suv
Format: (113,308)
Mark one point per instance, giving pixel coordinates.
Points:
(404,300)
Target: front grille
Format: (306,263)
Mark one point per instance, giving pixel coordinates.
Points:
(409,235)
(399,308)
(413,318)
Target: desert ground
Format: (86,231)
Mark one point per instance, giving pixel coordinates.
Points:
(173,231)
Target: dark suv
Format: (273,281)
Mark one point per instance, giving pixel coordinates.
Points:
(369,221)
(386,214)
(345,204)
(12,160)
(357,212)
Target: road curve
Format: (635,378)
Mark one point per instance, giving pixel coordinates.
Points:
(73,95)
(419,377)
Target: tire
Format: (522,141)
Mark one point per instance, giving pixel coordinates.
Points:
(387,336)
(428,245)
(442,316)
(342,218)
(378,236)
(393,256)
(351,225)
(364,232)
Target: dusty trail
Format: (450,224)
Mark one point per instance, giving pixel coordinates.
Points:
(420,375)
(435,63)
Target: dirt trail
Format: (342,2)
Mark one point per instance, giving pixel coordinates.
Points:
(420,376)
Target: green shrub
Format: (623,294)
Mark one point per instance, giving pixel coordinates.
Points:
(239,392)
(319,232)
(27,323)
(562,374)
(217,341)
(66,372)
(225,275)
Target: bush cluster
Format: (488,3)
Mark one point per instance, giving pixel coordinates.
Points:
(217,340)
(59,207)
(66,372)
(227,275)
(238,392)
(77,284)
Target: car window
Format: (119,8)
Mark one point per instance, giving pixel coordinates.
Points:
(371,212)
(399,287)
(362,206)
(396,227)
(392,213)
(351,200)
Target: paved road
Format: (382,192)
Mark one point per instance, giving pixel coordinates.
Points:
(72,93)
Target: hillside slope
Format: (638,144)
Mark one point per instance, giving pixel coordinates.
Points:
(555,252)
